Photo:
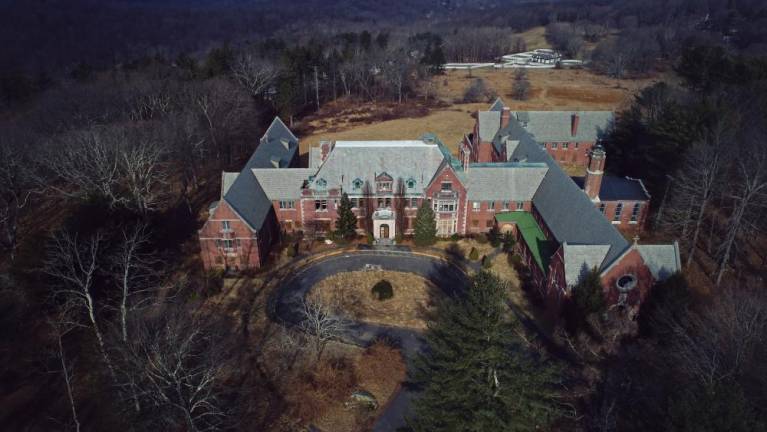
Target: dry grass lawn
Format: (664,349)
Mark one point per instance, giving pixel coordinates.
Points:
(412,301)
(466,244)
(564,89)
(535,38)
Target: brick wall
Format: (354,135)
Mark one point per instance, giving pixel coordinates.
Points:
(482,221)
(448,175)
(624,223)
(576,153)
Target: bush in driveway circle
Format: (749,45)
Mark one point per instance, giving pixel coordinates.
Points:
(382,290)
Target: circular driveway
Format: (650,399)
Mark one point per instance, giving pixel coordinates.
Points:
(294,287)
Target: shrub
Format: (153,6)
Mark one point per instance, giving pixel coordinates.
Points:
(398,238)
(455,237)
(291,250)
(494,236)
(382,290)
(481,239)
(425,226)
(514,260)
(371,239)
(474,254)
(486,262)
(478,91)
(508,242)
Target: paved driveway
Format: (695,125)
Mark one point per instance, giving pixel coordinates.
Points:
(445,276)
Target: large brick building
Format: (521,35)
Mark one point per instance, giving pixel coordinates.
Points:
(510,181)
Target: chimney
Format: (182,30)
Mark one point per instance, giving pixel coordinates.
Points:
(593,181)
(574,124)
(505,117)
(325,148)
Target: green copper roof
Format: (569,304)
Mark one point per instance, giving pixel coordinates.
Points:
(541,248)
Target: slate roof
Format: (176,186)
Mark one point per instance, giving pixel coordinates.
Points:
(489,123)
(227,179)
(282,184)
(498,182)
(580,259)
(351,160)
(622,189)
(497,105)
(567,211)
(555,126)
(245,195)
(315,157)
(662,260)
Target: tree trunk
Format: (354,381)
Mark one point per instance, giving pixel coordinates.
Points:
(68,383)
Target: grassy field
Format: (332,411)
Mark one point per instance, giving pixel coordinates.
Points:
(551,90)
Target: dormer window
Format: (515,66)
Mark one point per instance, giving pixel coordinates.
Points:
(410,183)
(447,186)
(384,186)
(357,184)
(321,183)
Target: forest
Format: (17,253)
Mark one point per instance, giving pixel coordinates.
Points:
(117,118)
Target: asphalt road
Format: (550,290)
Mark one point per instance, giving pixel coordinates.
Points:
(445,276)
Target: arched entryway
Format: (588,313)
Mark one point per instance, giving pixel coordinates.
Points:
(383,231)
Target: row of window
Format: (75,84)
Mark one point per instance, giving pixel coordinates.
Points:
(384,185)
(554,145)
(619,211)
(227,244)
(505,205)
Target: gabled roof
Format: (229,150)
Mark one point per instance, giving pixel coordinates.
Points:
(555,126)
(497,105)
(497,182)
(662,260)
(580,259)
(622,189)
(245,195)
(227,179)
(566,210)
(315,157)
(489,123)
(350,160)
(282,184)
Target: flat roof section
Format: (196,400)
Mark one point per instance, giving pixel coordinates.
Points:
(540,247)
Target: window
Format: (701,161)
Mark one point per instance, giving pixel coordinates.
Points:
(444,206)
(576,146)
(520,205)
(410,183)
(489,224)
(387,202)
(506,205)
(602,208)
(411,202)
(635,212)
(228,244)
(286,205)
(475,223)
(618,211)
(447,186)
(357,184)
(383,186)
(553,146)
(225,226)
(475,206)
(565,146)
(321,205)
(491,205)
(322,183)
(355,202)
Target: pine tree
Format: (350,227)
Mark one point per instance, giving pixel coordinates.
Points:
(346,224)
(477,374)
(588,295)
(425,226)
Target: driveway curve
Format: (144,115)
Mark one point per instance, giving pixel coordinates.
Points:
(294,288)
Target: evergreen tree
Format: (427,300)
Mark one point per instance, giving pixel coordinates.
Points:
(346,224)
(477,374)
(425,226)
(588,295)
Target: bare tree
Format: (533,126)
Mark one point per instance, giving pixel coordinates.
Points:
(697,182)
(748,193)
(254,74)
(17,185)
(144,175)
(87,164)
(73,265)
(134,273)
(176,361)
(322,323)
(62,324)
